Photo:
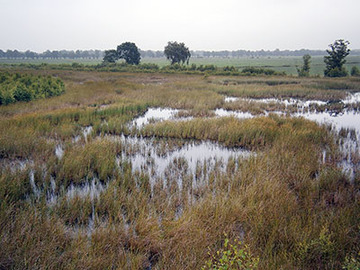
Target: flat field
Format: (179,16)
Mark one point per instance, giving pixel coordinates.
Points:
(280,64)
(84,185)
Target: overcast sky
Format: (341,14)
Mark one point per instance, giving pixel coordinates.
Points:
(39,25)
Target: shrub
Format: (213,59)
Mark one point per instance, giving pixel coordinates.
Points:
(148,66)
(203,68)
(352,263)
(318,253)
(229,68)
(355,71)
(192,67)
(22,93)
(24,87)
(232,256)
(175,66)
(257,71)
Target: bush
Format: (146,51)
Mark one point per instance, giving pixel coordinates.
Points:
(77,65)
(22,93)
(203,68)
(192,67)
(229,68)
(24,87)
(148,66)
(175,66)
(257,71)
(232,256)
(352,263)
(318,253)
(355,71)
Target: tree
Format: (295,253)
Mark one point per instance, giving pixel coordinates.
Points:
(336,59)
(110,56)
(305,70)
(177,52)
(129,52)
(29,54)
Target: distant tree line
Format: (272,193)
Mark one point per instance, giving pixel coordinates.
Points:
(258,53)
(99,54)
(63,54)
(26,87)
(243,53)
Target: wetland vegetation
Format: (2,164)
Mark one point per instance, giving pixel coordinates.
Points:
(18,87)
(140,171)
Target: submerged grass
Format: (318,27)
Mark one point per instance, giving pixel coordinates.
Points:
(290,208)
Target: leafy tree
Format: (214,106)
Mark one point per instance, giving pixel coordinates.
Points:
(110,56)
(177,52)
(336,59)
(30,54)
(305,70)
(129,52)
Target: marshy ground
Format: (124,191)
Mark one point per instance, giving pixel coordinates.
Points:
(150,171)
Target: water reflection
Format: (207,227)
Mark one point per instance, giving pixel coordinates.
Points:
(345,124)
(352,98)
(347,119)
(238,114)
(155,114)
(167,159)
(59,151)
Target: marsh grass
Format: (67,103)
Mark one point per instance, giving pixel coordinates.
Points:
(252,133)
(95,159)
(254,107)
(307,88)
(290,208)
